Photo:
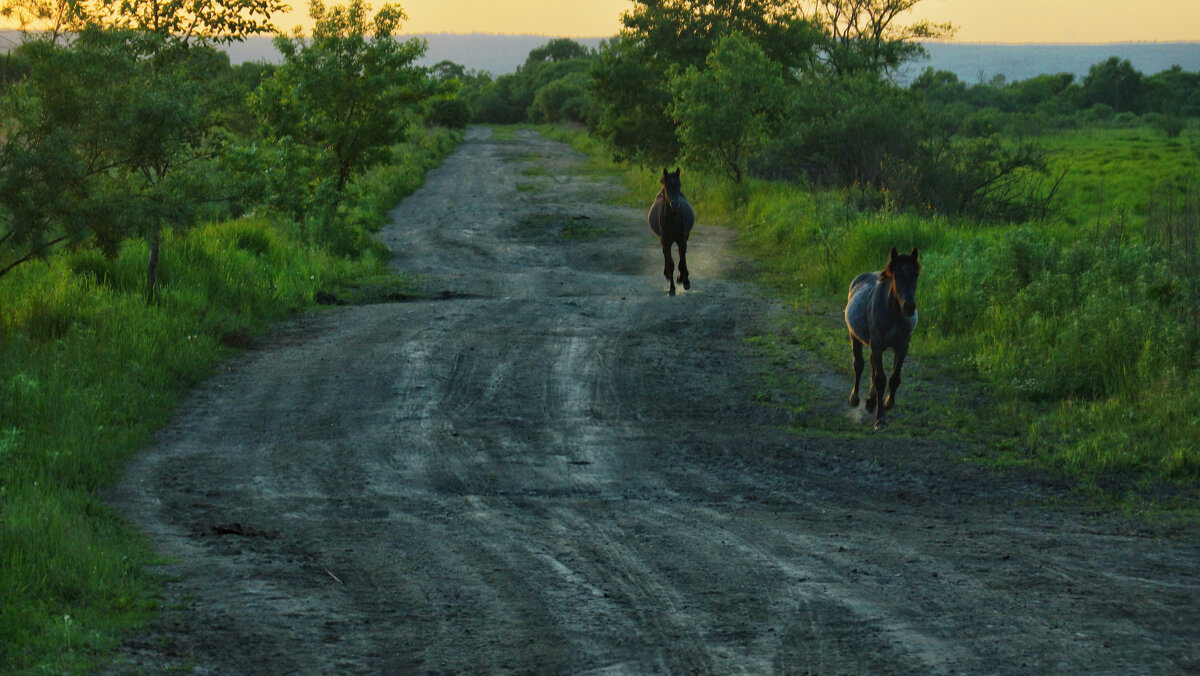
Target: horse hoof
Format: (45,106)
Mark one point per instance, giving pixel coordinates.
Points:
(880,425)
(889,403)
(671,292)
(870,406)
(687,285)
(854,400)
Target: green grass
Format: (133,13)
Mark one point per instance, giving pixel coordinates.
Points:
(88,371)
(1069,345)
(1112,173)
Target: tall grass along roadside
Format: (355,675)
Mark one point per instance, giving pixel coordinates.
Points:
(88,370)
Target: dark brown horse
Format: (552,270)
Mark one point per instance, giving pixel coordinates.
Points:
(671,219)
(881,311)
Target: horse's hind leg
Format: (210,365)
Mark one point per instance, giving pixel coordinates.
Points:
(856,348)
(668,265)
(894,380)
(683,271)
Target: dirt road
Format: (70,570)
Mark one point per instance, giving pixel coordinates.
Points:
(550,467)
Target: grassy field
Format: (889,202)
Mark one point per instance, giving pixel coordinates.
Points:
(88,371)
(1073,341)
(1115,174)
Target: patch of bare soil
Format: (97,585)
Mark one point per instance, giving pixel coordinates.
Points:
(548,466)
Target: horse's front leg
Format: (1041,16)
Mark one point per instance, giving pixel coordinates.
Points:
(878,385)
(668,265)
(683,271)
(894,380)
(856,349)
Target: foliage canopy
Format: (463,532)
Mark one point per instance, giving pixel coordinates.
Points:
(728,111)
(341,98)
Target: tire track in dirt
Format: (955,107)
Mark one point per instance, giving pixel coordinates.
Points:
(550,467)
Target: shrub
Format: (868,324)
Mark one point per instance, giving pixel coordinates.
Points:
(450,113)
(562,100)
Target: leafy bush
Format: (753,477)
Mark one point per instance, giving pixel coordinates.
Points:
(562,100)
(1100,112)
(719,130)
(1171,125)
(452,113)
(551,86)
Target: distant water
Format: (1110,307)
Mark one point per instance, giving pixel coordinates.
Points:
(974,63)
(496,54)
(500,54)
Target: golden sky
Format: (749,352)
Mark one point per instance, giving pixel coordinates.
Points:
(1067,20)
(977,20)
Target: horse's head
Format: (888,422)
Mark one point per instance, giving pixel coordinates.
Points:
(901,272)
(672,187)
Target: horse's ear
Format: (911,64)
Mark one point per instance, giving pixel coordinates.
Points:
(677,172)
(893,255)
(914,254)
(664,172)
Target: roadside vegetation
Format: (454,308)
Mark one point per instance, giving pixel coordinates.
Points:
(159,208)
(1057,217)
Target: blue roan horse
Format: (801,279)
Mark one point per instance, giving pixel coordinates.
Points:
(881,311)
(671,219)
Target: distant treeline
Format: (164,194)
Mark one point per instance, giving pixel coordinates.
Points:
(1111,89)
(750,89)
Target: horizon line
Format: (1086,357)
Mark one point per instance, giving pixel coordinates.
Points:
(1040,43)
(1129,41)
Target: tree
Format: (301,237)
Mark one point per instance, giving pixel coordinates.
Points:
(205,21)
(1174,92)
(727,111)
(41,172)
(153,131)
(661,38)
(862,36)
(564,99)
(13,68)
(1115,83)
(165,135)
(941,86)
(341,99)
(216,21)
(94,133)
(550,86)
(49,18)
(560,49)
(1041,89)
(851,130)
(444,71)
